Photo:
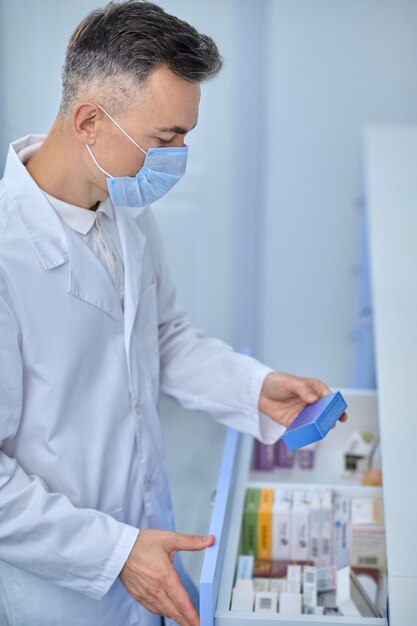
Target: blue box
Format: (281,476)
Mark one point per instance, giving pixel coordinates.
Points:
(315,421)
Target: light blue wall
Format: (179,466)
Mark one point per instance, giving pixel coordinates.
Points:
(334,66)
(33,36)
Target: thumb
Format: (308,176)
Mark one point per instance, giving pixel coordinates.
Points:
(310,396)
(312,390)
(308,393)
(192,543)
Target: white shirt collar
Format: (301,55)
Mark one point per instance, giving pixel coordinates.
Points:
(79,219)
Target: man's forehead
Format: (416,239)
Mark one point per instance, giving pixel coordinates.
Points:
(175,120)
(169,102)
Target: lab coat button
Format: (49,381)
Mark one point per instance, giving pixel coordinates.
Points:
(148,485)
(137,409)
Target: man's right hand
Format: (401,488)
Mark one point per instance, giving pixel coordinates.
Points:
(150,577)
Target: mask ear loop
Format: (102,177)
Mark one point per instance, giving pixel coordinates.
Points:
(94,159)
(123,131)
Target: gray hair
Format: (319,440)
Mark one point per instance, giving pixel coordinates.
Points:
(114,50)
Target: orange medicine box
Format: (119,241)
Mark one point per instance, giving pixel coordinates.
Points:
(266,503)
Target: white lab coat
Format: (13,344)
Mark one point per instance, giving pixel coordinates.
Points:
(82,464)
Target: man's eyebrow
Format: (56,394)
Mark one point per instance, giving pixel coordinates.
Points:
(176,129)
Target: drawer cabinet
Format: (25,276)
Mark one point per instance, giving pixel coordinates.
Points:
(236,474)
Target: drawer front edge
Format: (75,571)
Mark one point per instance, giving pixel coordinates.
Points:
(214,556)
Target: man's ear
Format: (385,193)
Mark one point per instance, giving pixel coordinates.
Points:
(84,118)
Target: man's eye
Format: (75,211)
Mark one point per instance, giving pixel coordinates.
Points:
(164,142)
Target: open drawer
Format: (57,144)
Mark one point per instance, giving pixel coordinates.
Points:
(236,474)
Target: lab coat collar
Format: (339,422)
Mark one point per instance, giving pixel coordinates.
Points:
(54,242)
(89,280)
(133,242)
(45,229)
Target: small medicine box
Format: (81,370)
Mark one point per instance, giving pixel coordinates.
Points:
(315,421)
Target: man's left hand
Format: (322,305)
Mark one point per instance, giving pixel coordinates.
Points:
(284,396)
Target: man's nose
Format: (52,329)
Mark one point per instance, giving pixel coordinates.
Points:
(178,142)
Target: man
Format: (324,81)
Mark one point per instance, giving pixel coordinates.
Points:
(90,333)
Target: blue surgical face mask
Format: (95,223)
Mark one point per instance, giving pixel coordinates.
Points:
(163,167)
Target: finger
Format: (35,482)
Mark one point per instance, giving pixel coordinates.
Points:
(181,599)
(299,387)
(325,391)
(310,390)
(343,417)
(320,388)
(159,602)
(192,543)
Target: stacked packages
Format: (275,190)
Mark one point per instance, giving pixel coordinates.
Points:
(295,544)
